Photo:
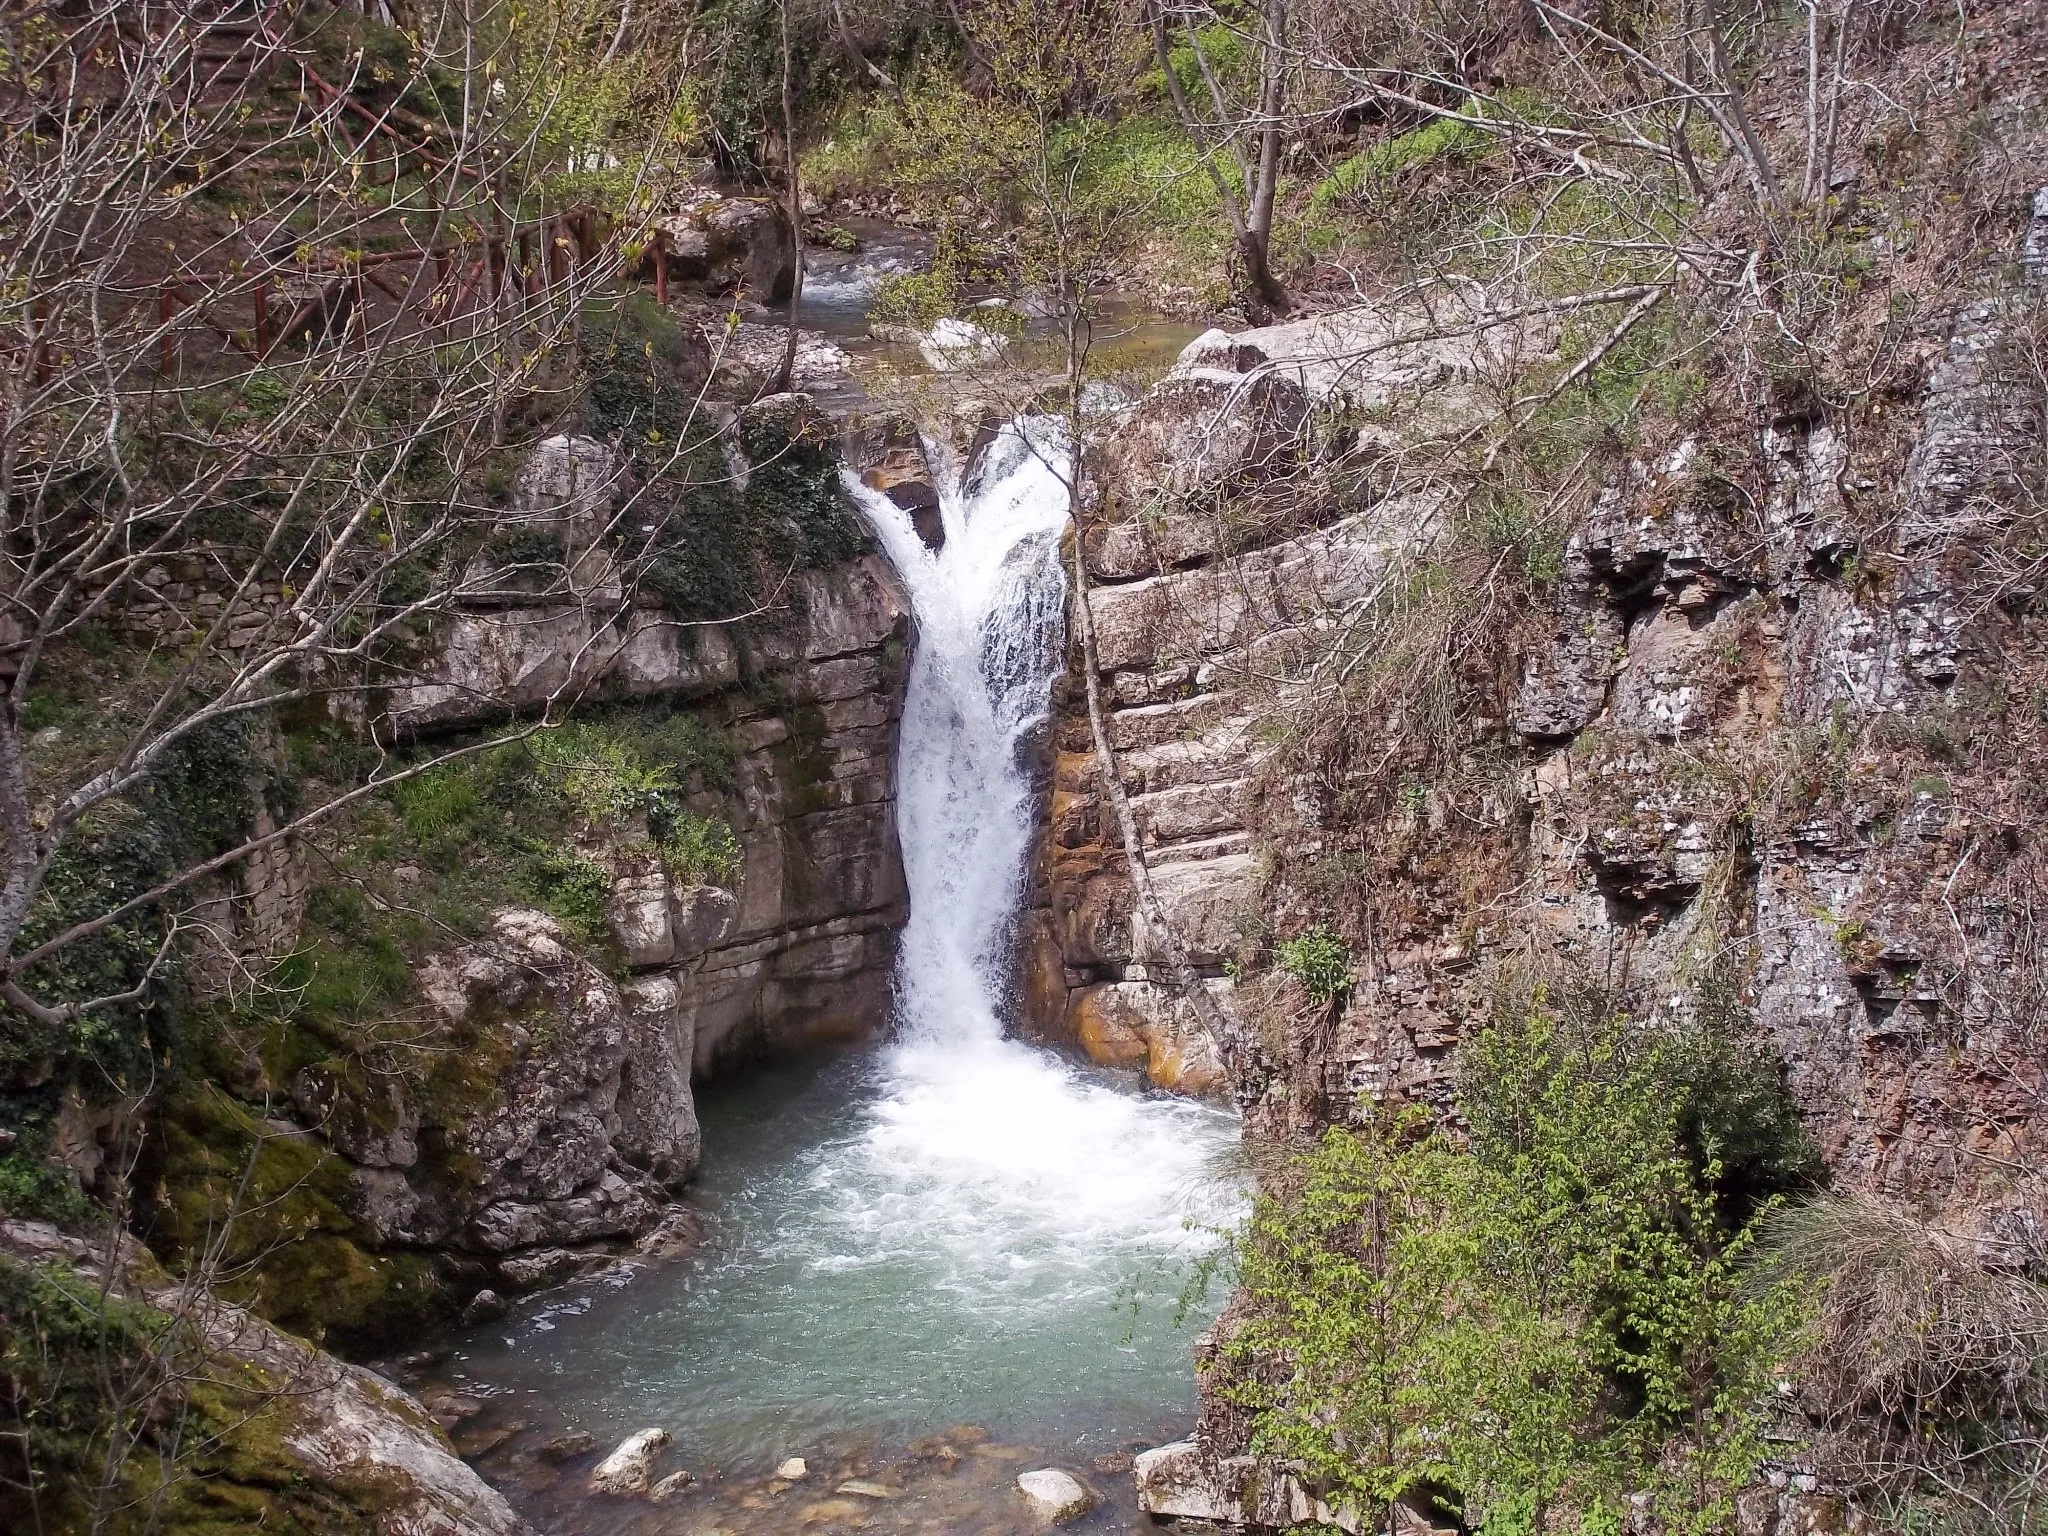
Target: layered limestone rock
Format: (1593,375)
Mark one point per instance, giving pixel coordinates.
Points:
(552,1106)
(800,947)
(1738,775)
(1217,541)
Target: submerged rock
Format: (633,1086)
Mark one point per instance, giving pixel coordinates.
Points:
(860,1487)
(831,1511)
(794,1470)
(670,1486)
(1055,1496)
(567,1446)
(630,1468)
(448,1408)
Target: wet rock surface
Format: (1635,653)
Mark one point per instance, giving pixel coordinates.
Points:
(1194,568)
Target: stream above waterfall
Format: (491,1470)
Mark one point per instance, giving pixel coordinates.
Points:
(933,1262)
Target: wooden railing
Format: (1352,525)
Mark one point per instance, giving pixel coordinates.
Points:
(467,277)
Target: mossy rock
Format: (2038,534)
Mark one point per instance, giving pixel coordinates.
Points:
(210,1458)
(294,1253)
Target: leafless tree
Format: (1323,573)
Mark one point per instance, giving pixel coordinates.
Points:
(1250,130)
(275,294)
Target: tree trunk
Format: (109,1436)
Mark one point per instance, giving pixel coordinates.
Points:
(1251,224)
(1258,243)
(793,189)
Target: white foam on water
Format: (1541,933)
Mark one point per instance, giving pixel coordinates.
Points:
(1003,1157)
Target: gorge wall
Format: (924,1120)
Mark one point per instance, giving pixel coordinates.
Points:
(523,1108)
(1758,744)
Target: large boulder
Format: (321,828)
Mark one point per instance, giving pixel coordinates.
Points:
(731,246)
(1141,1024)
(630,1468)
(1200,438)
(591,1115)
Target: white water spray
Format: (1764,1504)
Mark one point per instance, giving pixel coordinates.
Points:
(1011,1147)
(988,607)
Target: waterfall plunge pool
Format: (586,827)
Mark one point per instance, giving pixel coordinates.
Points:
(903,1242)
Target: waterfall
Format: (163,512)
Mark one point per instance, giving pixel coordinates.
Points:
(1015,1150)
(956,1227)
(989,606)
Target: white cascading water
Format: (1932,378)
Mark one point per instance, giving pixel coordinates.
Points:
(1008,1143)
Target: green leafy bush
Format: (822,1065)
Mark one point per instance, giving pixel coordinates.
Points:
(435,801)
(695,847)
(605,778)
(31,1189)
(1539,1327)
(916,300)
(1224,47)
(1318,960)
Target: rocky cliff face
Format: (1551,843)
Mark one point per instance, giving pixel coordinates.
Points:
(1763,744)
(540,1111)
(1230,531)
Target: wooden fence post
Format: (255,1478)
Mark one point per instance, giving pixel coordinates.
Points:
(661,267)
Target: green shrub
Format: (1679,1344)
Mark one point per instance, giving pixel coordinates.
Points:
(1223,46)
(1318,960)
(65,1350)
(32,1190)
(1148,162)
(695,847)
(1538,1328)
(436,801)
(604,778)
(856,152)
(576,891)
